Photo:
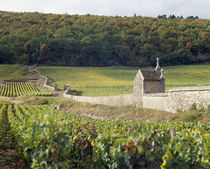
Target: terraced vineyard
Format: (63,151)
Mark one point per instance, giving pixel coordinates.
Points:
(53,139)
(13,89)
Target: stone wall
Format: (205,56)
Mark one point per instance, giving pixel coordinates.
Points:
(119,100)
(162,86)
(157,101)
(138,90)
(47,85)
(183,98)
(152,86)
(179,99)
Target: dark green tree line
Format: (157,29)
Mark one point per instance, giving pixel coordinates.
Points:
(86,40)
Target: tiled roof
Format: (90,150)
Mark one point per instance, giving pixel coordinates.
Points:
(151,74)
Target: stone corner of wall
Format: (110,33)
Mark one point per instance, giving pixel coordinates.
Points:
(47,85)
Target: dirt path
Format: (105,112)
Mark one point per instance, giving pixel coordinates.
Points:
(35,74)
(10,158)
(41,78)
(14,100)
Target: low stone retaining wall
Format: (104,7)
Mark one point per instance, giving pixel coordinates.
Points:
(179,99)
(119,100)
(187,89)
(67,90)
(183,99)
(47,85)
(157,101)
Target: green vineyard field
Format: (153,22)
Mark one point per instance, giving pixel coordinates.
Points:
(49,138)
(107,81)
(14,89)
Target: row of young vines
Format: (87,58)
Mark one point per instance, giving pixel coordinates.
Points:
(9,156)
(53,139)
(13,89)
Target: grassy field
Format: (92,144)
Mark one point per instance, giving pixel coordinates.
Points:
(187,75)
(13,72)
(94,81)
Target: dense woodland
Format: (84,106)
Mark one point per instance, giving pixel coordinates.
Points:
(87,40)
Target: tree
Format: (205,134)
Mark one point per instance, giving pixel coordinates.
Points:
(101,40)
(124,54)
(44,50)
(5,55)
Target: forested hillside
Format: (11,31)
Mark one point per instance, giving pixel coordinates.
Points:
(74,40)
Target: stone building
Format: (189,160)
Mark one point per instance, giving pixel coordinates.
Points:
(147,82)
(149,92)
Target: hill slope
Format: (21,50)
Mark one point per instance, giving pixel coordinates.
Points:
(99,40)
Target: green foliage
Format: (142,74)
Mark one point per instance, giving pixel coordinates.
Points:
(189,149)
(193,107)
(17,72)
(54,139)
(14,89)
(5,133)
(100,40)
(208,109)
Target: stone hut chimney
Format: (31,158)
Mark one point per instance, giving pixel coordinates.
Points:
(157,64)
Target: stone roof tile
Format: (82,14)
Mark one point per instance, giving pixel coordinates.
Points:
(151,74)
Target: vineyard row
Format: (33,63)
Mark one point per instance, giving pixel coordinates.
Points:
(55,139)
(13,89)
